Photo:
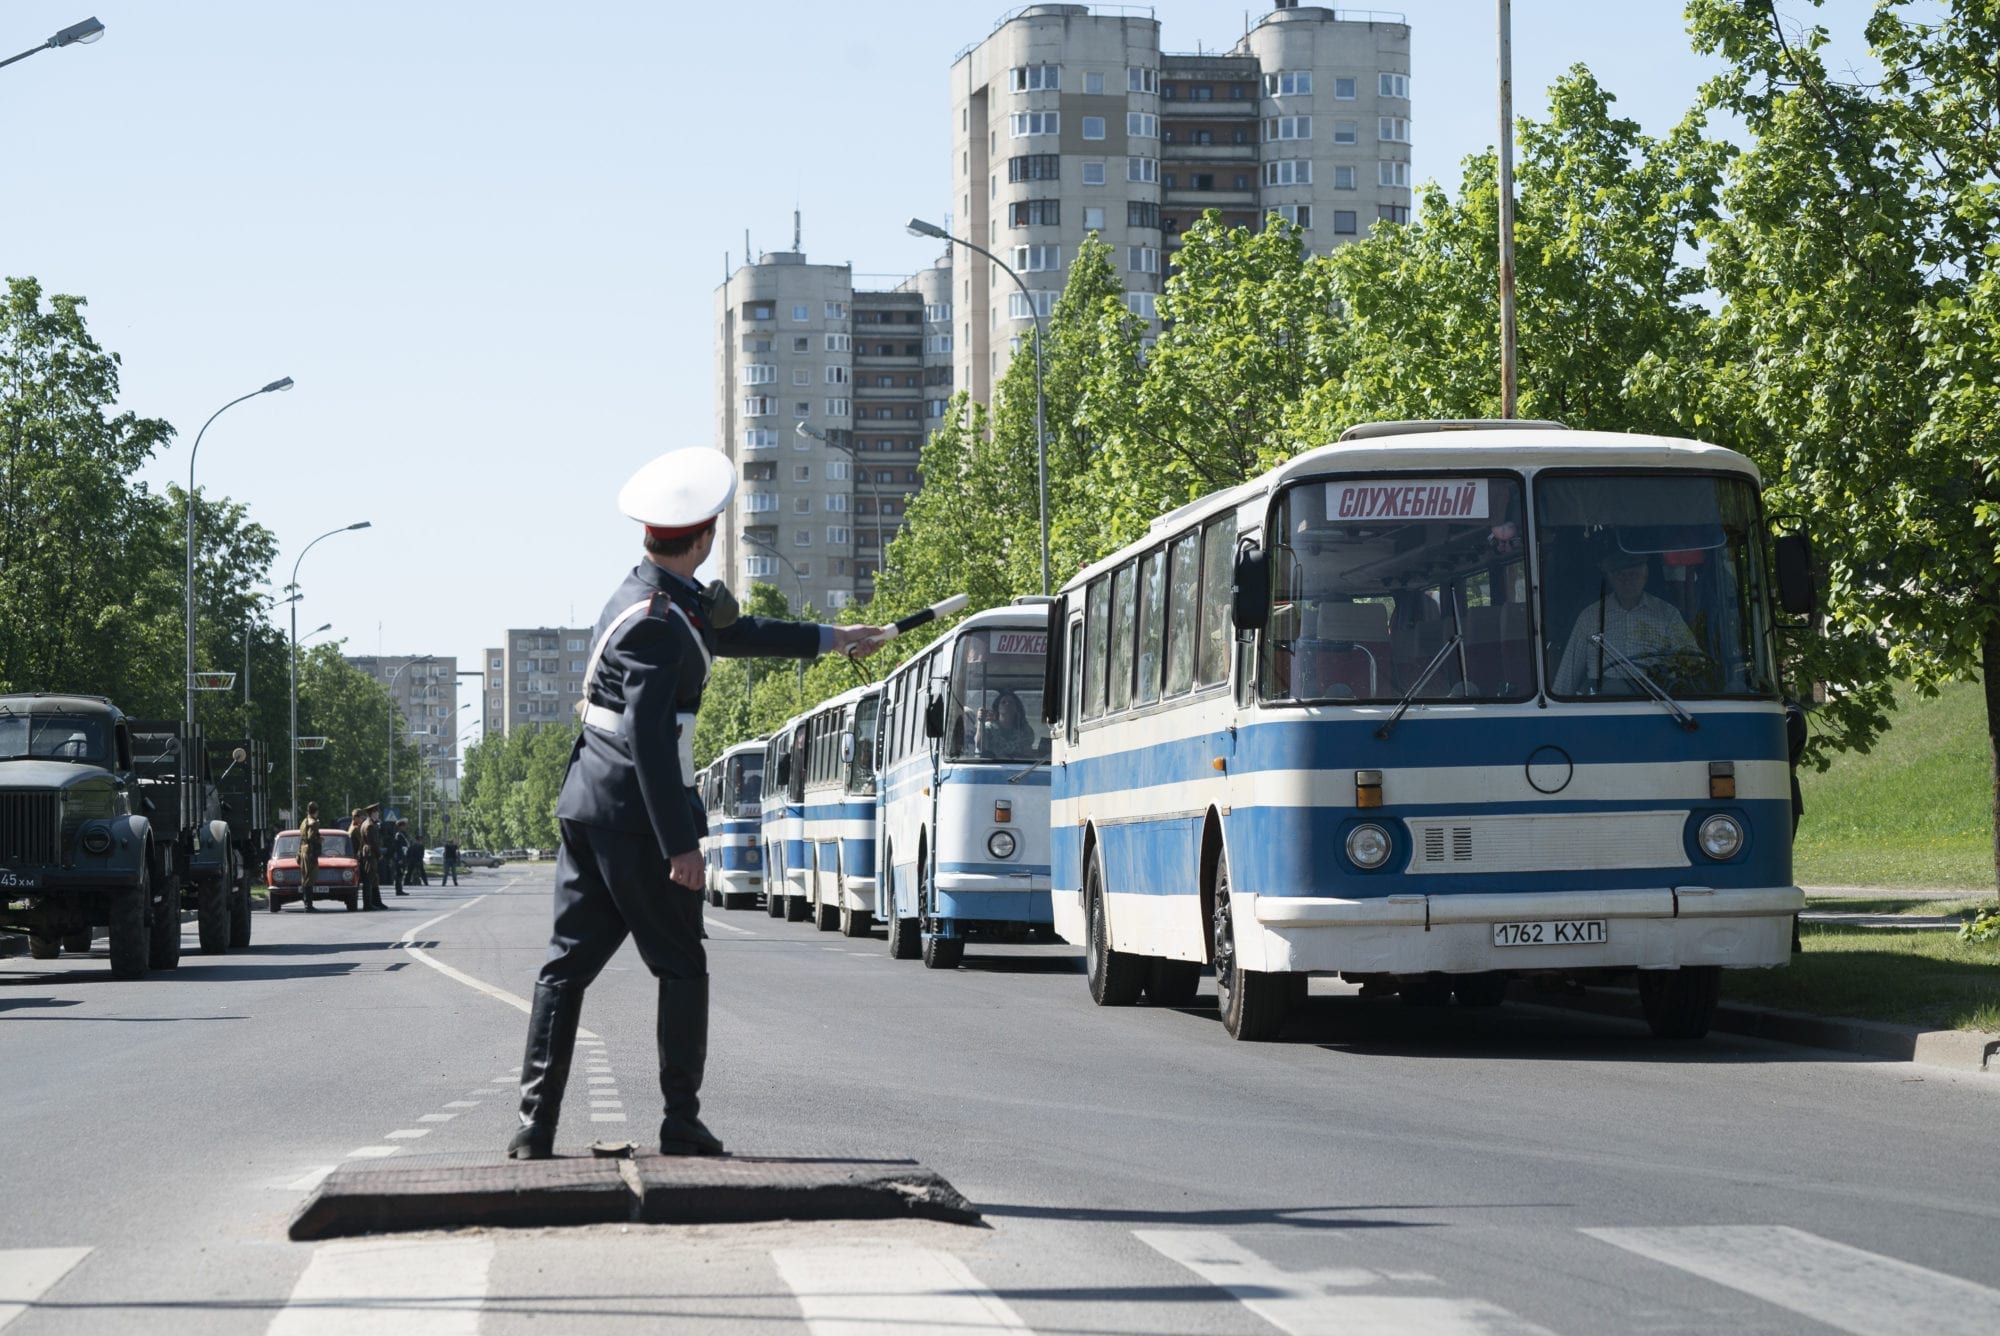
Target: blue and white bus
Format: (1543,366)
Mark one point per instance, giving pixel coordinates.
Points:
(782,829)
(836,743)
(1432,708)
(965,788)
(732,790)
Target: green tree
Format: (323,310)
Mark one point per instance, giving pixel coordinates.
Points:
(351,710)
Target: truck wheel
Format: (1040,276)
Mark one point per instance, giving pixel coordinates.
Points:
(1172,983)
(128,929)
(1113,976)
(1253,1003)
(164,934)
(239,917)
(211,916)
(44,948)
(1680,1004)
(78,943)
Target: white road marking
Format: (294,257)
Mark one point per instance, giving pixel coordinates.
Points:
(1325,1301)
(505,1080)
(391,1287)
(407,1134)
(1844,1287)
(26,1274)
(607,1117)
(601,1080)
(727,927)
(436,1117)
(374,1152)
(461,1104)
(861,1291)
(408,943)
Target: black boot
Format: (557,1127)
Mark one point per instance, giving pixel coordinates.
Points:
(683,1042)
(545,1069)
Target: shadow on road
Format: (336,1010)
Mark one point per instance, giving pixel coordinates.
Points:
(12,1003)
(979,963)
(197,969)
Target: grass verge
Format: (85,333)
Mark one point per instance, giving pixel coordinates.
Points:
(1914,811)
(1926,978)
(1962,909)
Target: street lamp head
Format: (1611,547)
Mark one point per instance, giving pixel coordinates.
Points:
(82,33)
(283,383)
(803,430)
(363,524)
(920,228)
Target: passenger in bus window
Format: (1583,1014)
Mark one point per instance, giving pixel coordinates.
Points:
(1630,620)
(1004,730)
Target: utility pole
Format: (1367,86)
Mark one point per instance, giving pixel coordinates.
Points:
(1509,390)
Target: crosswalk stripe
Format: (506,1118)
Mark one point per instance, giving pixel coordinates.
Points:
(1846,1288)
(861,1291)
(389,1287)
(26,1274)
(1314,1302)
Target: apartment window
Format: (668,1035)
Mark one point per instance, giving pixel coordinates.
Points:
(836,375)
(1034,78)
(801,344)
(836,310)
(802,472)
(1035,167)
(760,503)
(938,313)
(761,312)
(802,375)
(1093,218)
(1238,93)
(802,408)
(1093,127)
(1392,173)
(836,408)
(759,405)
(836,535)
(1201,180)
(801,312)
(1343,178)
(759,373)
(837,343)
(1141,213)
(1019,305)
(756,345)
(1242,182)
(1142,125)
(1142,259)
(759,567)
(1393,213)
(1344,223)
(1393,85)
(1299,215)
(1139,79)
(1142,169)
(935,407)
(759,438)
(1173,181)
(1289,172)
(1034,213)
(937,343)
(1298,84)
(1345,90)
(1037,259)
(1202,138)
(802,538)
(1392,129)
(1093,83)
(1288,127)
(837,502)
(522,708)
(836,470)
(1142,304)
(1028,124)
(802,505)
(1167,92)
(1093,173)
(1201,92)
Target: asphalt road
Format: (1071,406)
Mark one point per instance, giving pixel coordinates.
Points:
(1379,1170)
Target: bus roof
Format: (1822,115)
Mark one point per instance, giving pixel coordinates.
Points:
(740,748)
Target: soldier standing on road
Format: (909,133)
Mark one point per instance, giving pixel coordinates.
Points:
(368,850)
(399,852)
(630,861)
(450,877)
(418,877)
(309,855)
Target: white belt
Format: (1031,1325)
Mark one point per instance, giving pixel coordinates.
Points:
(610,721)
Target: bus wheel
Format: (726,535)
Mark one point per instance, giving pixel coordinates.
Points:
(1253,1003)
(774,877)
(1679,1004)
(826,917)
(1172,983)
(1114,976)
(903,943)
(943,953)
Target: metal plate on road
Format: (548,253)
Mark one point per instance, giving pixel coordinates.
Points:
(22,879)
(1552,932)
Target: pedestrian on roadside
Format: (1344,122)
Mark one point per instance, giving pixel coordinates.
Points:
(450,877)
(630,862)
(368,854)
(399,853)
(309,844)
(418,877)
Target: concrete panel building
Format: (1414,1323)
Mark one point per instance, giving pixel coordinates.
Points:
(425,689)
(535,678)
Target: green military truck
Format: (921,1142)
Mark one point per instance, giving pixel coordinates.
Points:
(77,845)
(242,770)
(197,853)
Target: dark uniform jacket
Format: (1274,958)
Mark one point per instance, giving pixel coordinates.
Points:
(651,672)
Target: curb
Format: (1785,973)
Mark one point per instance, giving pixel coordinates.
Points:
(1960,1050)
(642,1189)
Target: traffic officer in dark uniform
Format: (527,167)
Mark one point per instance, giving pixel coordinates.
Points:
(631,820)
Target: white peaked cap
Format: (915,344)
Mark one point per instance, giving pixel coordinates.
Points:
(682,489)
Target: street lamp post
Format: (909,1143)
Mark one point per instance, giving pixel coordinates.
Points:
(293,590)
(428,658)
(77,34)
(284,383)
(920,228)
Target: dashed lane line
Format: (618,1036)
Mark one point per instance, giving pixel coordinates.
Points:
(514,1000)
(26,1274)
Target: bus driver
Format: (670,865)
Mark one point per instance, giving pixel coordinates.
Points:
(1630,620)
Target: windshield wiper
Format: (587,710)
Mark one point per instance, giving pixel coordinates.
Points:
(1403,705)
(1653,689)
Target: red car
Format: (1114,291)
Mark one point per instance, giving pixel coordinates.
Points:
(339,875)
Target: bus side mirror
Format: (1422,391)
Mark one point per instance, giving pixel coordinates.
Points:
(1795,575)
(1250,594)
(1056,653)
(934,717)
(847,749)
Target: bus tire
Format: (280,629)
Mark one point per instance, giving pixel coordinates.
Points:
(1253,1003)
(826,917)
(774,877)
(1480,990)
(1680,1004)
(943,953)
(1172,983)
(1114,977)
(903,933)
(797,908)
(855,922)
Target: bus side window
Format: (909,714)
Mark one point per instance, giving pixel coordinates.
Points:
(1152,631)
(1074,700)
(1218,549)
(1183,575)
(1124,606)
(1097,638)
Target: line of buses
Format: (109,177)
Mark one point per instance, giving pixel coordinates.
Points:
(1435,707)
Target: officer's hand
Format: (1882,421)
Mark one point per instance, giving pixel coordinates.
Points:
(686,869)
(858,642)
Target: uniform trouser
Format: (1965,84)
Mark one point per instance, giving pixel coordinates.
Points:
(308,874)
(399,872)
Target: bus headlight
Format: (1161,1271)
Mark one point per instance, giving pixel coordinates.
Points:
(751,858)
(1001,844)
(1720,837)
(1368,846)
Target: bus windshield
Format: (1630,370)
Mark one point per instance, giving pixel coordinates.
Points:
(861,766)
(743,786)
(995,709)
(1374,578)
(1662,574)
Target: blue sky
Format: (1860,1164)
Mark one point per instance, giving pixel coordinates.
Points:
(484,238)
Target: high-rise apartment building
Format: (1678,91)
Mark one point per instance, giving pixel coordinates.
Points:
(1068,121)
(825,394)
(535,678)
(425,689)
